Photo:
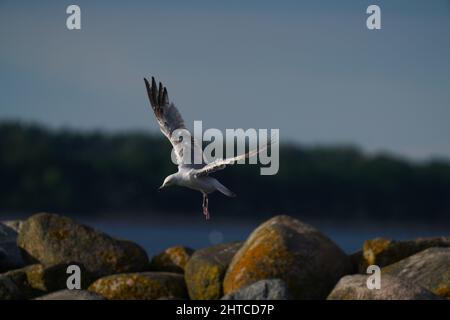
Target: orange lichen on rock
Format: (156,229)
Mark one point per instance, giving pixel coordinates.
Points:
(140,286)
(290,250)
(373,248)
(172,259)
(383,252)
(206,269)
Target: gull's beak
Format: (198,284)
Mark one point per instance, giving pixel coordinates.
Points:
(160,188)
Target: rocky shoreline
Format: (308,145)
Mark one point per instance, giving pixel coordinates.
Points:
(283,258)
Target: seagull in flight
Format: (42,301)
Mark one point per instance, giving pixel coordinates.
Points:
(190,175)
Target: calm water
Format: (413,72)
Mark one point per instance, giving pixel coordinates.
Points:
(157,232)
(156,236)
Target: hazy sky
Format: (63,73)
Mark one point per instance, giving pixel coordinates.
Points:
(310,68)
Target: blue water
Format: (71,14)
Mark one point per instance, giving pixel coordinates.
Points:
(156,236)
(156,232)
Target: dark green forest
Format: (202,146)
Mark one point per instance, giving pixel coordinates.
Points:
(66,171)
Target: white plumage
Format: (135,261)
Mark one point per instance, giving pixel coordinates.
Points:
(190,175)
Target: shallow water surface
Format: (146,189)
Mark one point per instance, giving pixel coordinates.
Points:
(155,237)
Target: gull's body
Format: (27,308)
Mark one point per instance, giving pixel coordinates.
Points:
(189,175)
(186,177)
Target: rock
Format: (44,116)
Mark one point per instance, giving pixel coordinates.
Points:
(20,280)
(272,289)
(10,256)
(71,295)
(429,268)
(37,279)
(7,233)
(172,259)
(285,248)
(141,286)
(357,261)
(206,269)
(354,287)
(13,224)
(383,252)
(8,290)
(53,239)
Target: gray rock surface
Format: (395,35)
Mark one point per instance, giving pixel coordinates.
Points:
(10,256)
(71,295)
(429,268)
(354,287)
(271,289)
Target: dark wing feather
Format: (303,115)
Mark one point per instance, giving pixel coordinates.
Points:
(169,119)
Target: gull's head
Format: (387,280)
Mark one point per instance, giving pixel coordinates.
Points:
(168,181)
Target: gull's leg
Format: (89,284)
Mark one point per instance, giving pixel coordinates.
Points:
(205,206)
(207,210)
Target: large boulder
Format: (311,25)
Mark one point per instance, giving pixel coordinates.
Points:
(10,256)
(383,252)
(354,287)
(8,290)
(285,248)
(173,259)
(141,286)
(71,295)
(272,289)
(206,269)
(429,268)
(52,239)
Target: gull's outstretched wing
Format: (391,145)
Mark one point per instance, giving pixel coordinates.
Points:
(221,164)
(169,120)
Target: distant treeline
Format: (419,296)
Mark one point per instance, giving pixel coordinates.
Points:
(89,173)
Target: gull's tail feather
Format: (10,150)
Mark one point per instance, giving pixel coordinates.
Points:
(224,189)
